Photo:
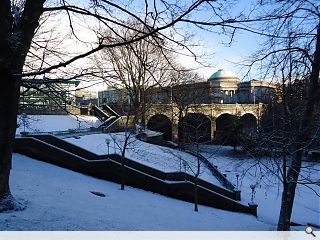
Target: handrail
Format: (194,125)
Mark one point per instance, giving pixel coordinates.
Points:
(62,132)
(215,172)
(108,119)
(111,110)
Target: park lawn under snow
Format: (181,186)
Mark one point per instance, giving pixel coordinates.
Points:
(268,188)
(159,157)
(49,123)
(60,199)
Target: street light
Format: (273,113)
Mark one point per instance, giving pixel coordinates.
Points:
(185,169)
(252,186)
(24,121)
(108,143)
(237,175)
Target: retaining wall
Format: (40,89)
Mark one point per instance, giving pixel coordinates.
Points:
(177,185)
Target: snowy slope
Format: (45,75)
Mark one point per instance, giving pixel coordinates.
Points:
(47,123)
(59,199)
(267,192)
(268,188)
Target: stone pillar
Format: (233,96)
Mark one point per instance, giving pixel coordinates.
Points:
(237,194)
(253,209)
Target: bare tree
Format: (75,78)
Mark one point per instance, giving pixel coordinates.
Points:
(124,140)
(195,129)
(19,24)
(16,33)
(291,53)
(187,89)
(134,68)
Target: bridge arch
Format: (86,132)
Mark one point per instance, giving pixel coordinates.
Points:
(194,127)
(227,129)
(230,129)
(161,123)
(248,123)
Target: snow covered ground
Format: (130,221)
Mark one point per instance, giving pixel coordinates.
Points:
(48,123)
(268,188)
(59,199)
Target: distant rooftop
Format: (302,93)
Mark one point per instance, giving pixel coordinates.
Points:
(223,74)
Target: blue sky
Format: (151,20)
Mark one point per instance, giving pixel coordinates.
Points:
(215,44)
(212,43)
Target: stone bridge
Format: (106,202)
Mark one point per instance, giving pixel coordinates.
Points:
(207,118)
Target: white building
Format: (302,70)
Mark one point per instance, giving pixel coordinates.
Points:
(227,88)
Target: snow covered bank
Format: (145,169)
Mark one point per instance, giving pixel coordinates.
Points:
(59,199)
(47,123)
(268,188)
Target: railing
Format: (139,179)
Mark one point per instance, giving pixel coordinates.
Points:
(64,133)
(106,119)
(215,172)
(106,107)
(34,109)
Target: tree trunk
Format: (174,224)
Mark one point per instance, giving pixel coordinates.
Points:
(196,180)
(123,153)
(15,41)
(8,111)
(143,108)
(9,98)
(123,168)
(288,193)
(302,138)
(284,219)
(196,194)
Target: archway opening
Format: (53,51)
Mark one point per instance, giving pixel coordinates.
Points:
(195,127)
(228,130)
(161,123)
(249,124)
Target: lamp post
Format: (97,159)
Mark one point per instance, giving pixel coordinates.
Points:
(108,143)
(185,170)
(24,121)
(253,206)
(252,186)
(237,176)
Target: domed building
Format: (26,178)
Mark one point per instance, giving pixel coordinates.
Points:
(224,85)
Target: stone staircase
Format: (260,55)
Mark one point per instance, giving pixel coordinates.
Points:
(106,115)
(177,185)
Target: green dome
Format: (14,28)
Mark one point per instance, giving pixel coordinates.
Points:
(223,74)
